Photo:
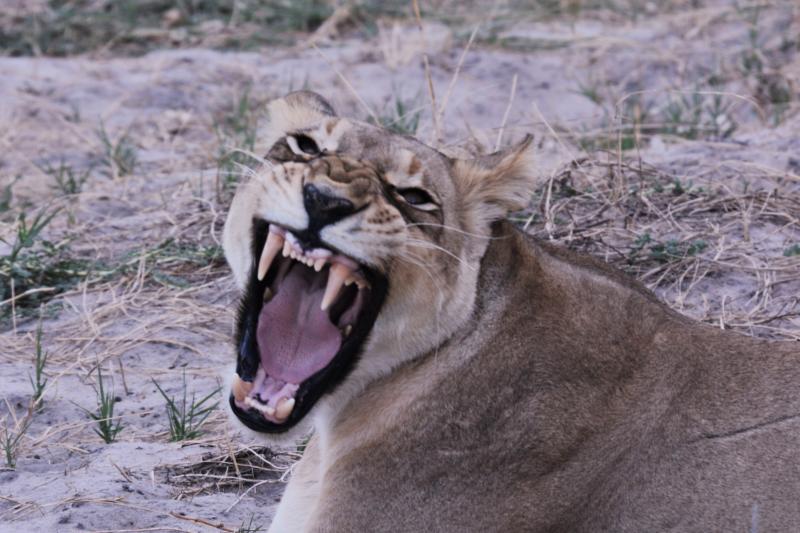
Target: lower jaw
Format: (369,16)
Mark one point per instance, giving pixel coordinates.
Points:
(274,399)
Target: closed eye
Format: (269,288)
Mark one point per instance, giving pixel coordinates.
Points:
(418,198)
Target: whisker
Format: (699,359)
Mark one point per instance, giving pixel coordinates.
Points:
(419,261)
(251,155)
(246,171)
(457,230)
(422,265)
(431,246)
(239,173)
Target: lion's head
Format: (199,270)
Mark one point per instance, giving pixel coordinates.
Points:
(356,250)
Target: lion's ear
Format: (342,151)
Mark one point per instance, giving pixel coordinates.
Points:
(298,110)
(493,185)
(295,111)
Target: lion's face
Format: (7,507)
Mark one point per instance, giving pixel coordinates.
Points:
(356,250)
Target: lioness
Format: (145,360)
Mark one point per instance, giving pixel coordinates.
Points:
(460,376)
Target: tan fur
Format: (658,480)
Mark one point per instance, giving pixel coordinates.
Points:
(509,385)
(495,184)
(298,110)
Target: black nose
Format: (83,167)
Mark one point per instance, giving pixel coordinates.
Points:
(324,208)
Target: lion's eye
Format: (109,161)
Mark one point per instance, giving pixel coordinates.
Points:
(302,144)
(416,197)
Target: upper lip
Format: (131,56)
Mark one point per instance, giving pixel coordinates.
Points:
(344,270)
(309,238)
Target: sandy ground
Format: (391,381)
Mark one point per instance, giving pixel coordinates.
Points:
(169,311)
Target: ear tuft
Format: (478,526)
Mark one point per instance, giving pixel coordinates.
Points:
(493,185)
(296,110)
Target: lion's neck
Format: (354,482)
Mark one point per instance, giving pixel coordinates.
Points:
(539,337)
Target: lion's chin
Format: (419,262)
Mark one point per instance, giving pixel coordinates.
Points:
(303,319)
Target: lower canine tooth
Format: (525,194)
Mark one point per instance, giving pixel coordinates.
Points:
(267,294)
(348,329)
(241,388)
(284,408)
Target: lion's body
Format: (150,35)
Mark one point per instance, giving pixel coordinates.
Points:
(572,400)
(497,383)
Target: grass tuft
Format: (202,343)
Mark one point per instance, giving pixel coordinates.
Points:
(792,250)
(106,428)
(38,380)
(249,527)
(29,232)
(35,269)
(66,180)
(186,417)
(7,195)
(402,116)
(14,429)
(120,154)
(689,115)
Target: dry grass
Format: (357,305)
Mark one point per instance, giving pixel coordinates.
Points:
(682,235)
(243,469)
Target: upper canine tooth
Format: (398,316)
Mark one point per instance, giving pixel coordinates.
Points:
(271,249)
(338,273)
(287,248)
(349,281)
(284,408)
(318,264)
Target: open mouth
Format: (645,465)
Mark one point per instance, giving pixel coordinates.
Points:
(304,316)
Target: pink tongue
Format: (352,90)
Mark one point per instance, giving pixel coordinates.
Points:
(296,338)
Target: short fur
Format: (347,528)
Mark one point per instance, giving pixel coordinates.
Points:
(509,385)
